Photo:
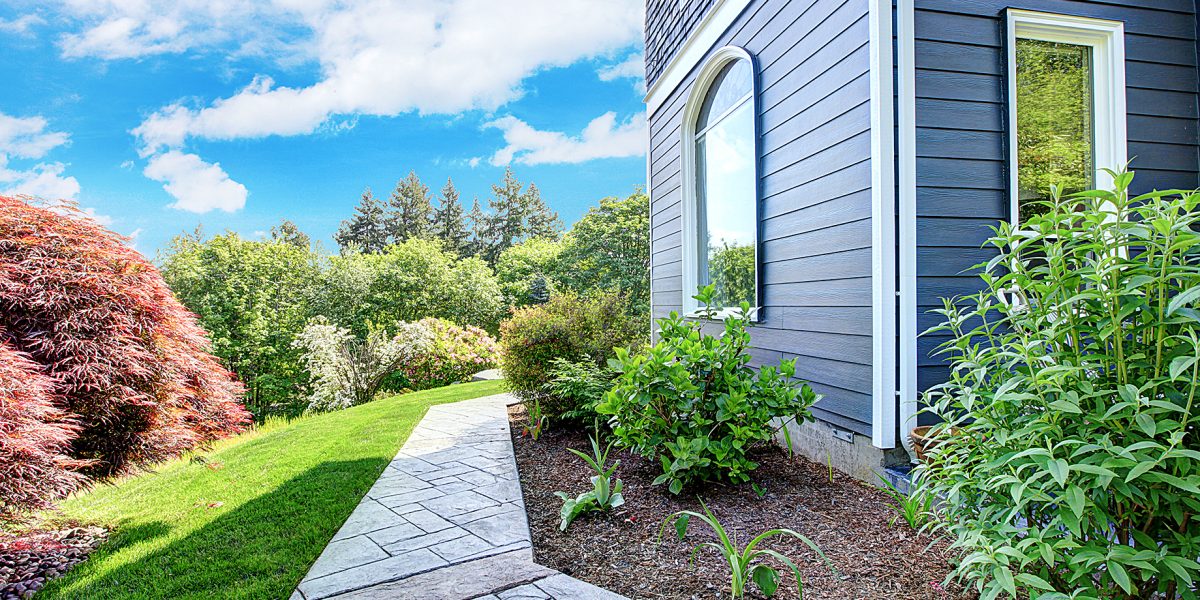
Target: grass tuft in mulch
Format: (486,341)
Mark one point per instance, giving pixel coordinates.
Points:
(620,551)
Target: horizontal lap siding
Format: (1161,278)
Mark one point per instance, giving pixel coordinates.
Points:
(816,202)
(962,164)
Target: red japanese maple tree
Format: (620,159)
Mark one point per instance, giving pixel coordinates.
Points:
(125,358)
(34,438)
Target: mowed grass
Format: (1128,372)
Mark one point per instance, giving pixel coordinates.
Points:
(248,518)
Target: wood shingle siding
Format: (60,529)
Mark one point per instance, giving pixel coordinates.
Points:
(815,232)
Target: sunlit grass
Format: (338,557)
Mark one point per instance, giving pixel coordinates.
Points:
(247,518)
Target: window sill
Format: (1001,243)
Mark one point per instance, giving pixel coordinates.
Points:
(724,313)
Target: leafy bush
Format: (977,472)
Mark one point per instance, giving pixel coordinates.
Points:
(744,562)
(1068,457)
(693,401)
(527,271)
(608,250)
(346,371)
(568,327)
(253,297)
(125,357)
(408,282)
(579,386)
(34,439)
(605,493)
(452,355)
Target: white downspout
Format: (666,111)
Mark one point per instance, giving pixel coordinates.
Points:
(907,233)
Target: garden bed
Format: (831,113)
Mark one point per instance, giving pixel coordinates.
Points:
(848,520)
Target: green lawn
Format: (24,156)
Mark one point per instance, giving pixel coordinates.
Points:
(248,520)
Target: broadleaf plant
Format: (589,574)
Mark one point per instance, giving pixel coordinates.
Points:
(605,493)
(1068,457)
(693,401)
(745,563)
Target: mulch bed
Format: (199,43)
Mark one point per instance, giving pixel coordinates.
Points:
(29,560)
(847,519)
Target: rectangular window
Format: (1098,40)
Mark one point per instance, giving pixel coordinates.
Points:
(1066,78)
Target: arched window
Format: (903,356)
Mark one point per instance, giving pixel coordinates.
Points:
(720,174)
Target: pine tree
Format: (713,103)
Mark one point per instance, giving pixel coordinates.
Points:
(507,220)
(448,224)
(477,223)
(517,215)
(540,220)
(410,210)
(366,229)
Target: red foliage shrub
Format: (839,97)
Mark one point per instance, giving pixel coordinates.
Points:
(34,439)
(126,358)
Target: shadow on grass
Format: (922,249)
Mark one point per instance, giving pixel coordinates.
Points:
(260,549)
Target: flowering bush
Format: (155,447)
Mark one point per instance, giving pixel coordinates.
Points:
(453,355)
(122,354)
(568,327)
(1068,457)
(34,438)
(347,371)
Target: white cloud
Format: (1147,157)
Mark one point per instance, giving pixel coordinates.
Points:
(125,29)
(26,137)
(632,67)
(602,138)
(197,186)
(22,25)
(43,180)
(387,57)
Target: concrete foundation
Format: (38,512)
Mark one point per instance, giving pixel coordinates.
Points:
(844,450)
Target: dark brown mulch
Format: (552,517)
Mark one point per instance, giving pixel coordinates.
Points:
(29,560)
(847,519)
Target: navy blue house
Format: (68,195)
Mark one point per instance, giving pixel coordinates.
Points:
(837,163)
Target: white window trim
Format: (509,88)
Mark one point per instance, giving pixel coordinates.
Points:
(1107,40)
(687,172)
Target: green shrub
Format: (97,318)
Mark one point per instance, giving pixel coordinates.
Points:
(408,282)
(453,356)
(1069,460)
(527,270)
(693,401)
(567,327)
(580,386)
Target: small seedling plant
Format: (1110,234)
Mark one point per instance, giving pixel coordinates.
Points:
(605,493)
(746,564)
(537,420)
(916,508)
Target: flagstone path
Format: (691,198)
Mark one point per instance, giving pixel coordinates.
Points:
(445,520)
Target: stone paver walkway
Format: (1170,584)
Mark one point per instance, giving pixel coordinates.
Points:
(445,520)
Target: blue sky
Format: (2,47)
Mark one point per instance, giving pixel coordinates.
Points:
(157,116)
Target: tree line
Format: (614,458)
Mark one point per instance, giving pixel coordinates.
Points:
(514,213)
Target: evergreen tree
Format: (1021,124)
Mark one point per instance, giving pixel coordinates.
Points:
(477,224)
(289,233)
(541,221)
(517,215)
(366,229)
(410,210)
(448,224)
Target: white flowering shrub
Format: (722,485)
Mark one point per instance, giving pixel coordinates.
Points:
(347,371)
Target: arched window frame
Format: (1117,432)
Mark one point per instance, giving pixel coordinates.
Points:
(690,203)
